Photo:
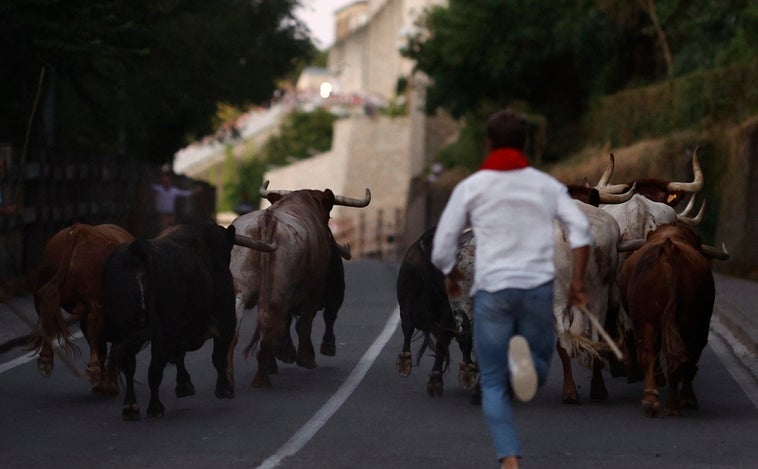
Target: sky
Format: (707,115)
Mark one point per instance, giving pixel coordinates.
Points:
(318,15)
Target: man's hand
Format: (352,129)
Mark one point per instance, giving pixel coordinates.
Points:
(453,283)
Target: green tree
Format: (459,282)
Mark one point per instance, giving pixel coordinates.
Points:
(301,135)
(142,77)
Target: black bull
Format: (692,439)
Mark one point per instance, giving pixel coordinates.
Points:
(174,291)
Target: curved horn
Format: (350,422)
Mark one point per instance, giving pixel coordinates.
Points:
(350,202)
(689,207)
(697,182)
(690,220)
(248,242)
(714,253)
(606,177)
(344,250)
(613,198)
(264,192)
(631,245)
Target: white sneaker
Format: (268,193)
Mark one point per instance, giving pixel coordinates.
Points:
(523,374)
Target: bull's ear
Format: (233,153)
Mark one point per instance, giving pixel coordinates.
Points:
(231,231)
(328,200)
(273,197)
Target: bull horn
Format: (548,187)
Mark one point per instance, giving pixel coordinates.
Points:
(344,250)
(264,192)
(691,221)
(631,245)
(350,202)
(606,177)
(697,182)
(689,206)
(613,198)
(248,242)
(714,253)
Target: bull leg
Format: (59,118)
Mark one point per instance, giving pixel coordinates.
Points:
(329,341)
(221,345)
(404,361)
(306,355)
(687,395)
(158,361)
(108,385)
(435,386)
(598,391)
(647,345)
(94,332)
(468,370)
(673,403)
(270,331)
(184,386)
(130,409)
(285,351)
(45,361)
(569,394)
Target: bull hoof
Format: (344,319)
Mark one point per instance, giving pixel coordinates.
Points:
(261,381)
(476,396)
(155,409)
(650,409)
(45,367)
(572,399)
(106,389)
(286,353)
(404,364)
(130,412)
(671,412)
(467,375)
(435,386)
(224,392)
(93,375)
(328,348)
(307,363)
(184,389)
(689,402)
(599,395)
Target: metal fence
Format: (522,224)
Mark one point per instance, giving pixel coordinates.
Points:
(50,190)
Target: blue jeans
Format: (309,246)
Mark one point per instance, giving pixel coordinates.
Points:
(497,317)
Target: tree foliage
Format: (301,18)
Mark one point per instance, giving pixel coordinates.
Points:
(141,77)
(553,57)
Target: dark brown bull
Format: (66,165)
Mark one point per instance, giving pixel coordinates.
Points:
(668,291)
(70,277)
(291,280)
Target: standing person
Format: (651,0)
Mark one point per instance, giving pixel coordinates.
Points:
(511,208)
(165,200)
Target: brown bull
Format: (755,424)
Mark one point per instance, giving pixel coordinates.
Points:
(292,280)
(70,277)
(668,291)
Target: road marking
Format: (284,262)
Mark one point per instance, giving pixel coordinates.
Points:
(718,339)
(307,431)
(26,358)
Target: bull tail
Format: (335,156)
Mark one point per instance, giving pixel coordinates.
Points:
(672,345)
(47,301)
(253,343)
(268,227)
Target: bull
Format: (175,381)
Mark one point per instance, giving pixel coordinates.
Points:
(174,291)
(425,306)
(70,277)
(667,289)
(293,279)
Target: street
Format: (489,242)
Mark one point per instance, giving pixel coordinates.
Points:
(354,410)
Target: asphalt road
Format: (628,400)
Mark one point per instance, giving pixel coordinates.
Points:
(354,410)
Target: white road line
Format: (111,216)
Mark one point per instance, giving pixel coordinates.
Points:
(26,358)
(307,431)
(717,339)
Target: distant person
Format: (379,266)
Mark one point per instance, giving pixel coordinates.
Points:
(511,208)
(166,194)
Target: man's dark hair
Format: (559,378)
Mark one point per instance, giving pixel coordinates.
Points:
(507,129)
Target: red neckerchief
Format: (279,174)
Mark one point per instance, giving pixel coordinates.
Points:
(504,159)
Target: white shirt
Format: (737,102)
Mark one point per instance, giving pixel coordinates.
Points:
(512,215)
(165,197)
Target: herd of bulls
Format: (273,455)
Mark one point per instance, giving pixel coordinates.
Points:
(191,283)
(648,281)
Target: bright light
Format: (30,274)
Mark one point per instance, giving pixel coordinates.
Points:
(326,89)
